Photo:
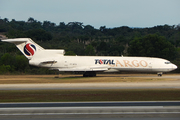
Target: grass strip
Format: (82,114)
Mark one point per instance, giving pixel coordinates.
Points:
(89,95)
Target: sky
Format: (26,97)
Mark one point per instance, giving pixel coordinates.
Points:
(97,13)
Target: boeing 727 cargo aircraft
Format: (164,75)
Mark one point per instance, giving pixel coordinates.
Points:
(55,60)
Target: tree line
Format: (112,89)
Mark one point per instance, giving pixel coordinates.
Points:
(78,39)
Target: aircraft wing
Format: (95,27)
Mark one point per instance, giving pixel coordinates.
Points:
(93,68)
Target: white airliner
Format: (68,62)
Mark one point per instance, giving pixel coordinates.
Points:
(89,65)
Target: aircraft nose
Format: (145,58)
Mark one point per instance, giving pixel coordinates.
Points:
(174,67)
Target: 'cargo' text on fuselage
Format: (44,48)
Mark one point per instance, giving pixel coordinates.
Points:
(122,63)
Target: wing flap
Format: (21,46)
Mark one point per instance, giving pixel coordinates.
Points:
(83,69)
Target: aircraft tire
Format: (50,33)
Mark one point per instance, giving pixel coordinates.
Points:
(160,75)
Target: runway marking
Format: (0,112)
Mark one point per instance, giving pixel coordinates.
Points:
(89,110)
(116,113)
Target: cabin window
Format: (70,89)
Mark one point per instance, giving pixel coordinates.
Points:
(168,62)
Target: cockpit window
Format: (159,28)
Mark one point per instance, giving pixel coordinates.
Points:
(167,62)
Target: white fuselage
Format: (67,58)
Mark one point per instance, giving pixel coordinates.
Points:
(106,63)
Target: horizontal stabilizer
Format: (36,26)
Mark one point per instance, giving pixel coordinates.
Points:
(15,41)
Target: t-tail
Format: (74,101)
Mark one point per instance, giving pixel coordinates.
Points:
(26,46)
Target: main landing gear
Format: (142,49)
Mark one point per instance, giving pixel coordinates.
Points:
(160,74)
(89,74)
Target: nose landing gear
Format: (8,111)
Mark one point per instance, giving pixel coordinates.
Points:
(160,74)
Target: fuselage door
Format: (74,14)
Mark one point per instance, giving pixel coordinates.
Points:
(65,63)
(150,63)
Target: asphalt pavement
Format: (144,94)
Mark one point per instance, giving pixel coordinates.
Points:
(169,110)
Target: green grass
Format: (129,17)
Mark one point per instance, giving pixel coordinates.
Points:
(89,95)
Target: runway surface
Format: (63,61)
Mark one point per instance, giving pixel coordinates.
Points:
(89,104)
(91,111)
(174,83)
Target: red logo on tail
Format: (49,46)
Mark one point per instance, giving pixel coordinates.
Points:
(29,49)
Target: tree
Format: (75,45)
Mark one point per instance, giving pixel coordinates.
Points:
(76,27)
(6,20)
(62,25)
(39,34)
(77,48)
(7,63)
(21,63)
(102,28)
(5,68)
(80,39)
(102,46)
(89,30)
(7,59)
(152,46)
(116,50)
(70,53)
(90,50)
(31,20)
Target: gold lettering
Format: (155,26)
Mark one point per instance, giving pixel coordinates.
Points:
(117,62)
(135,63)
(143,63)
(126,63)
